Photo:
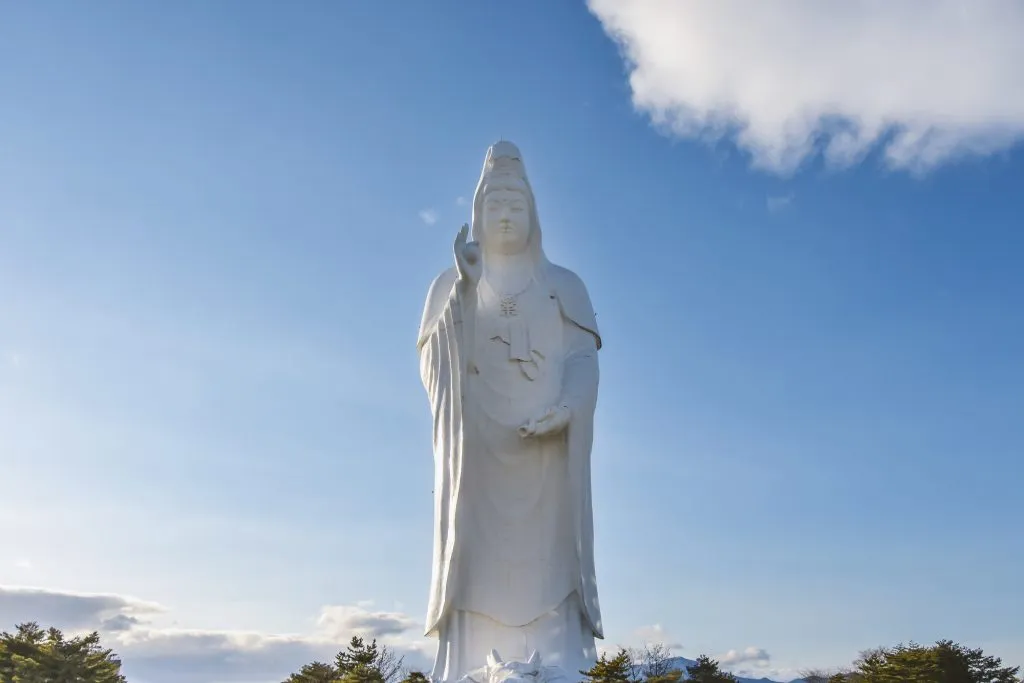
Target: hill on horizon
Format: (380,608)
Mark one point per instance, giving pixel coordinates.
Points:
(682,662)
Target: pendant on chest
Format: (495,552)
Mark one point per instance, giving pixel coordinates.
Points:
(528,326)
(509,307)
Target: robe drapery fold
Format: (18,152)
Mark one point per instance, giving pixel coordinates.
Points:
(445,346)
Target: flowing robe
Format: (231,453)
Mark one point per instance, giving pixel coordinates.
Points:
(513,561)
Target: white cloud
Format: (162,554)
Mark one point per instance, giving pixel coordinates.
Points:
(344,621)
(192,656)
(751,655)
(428,216)
(68,610)
(13,359)
(23,563)
(655,634)
(460,201)
(175,655)
(927,81)
(778,203)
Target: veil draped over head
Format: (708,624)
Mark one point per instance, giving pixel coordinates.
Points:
(504,170)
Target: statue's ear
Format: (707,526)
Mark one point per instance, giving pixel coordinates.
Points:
(534,659)
(493,658)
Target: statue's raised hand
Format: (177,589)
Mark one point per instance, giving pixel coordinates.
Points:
(467,258)
(552,421)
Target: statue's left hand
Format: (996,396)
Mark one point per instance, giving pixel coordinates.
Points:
(551,421)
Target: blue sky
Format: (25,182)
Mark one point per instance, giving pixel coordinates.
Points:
(218,222)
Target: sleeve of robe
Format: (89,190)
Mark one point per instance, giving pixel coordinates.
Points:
(581,374)
(442,360)
(579,393)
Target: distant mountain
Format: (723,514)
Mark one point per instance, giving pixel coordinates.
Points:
(682,662)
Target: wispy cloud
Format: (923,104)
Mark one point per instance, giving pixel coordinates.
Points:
(778,203)
(23,563)
(428,216)
(68,610)
(342,621)
(790,79)
(655,634)
(754,662)
(460,201)
(750,655)
(175,655)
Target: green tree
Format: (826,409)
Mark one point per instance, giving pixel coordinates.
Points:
(315,672)
(34,655)
(944,662)
(671,676)
(416,677)
(361,673)
(617,669)
(963,665)
(822,676)
(360,662)
(368,663)
(706,670)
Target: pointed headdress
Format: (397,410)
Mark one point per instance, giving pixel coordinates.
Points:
(504,170)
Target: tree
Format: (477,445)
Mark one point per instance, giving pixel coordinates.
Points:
(944,662)
(34,655)
(670,676)
(822,676)
(706,670)
(655,664)
(962,665)
(315,672)
(416,677)
(360,673)
(360,662)
(617,669)
(368,663)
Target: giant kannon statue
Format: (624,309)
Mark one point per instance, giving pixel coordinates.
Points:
(508,348)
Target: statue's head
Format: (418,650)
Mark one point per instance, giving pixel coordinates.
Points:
(504,211)
(506,218)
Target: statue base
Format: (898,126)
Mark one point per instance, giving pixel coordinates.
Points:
(531,671)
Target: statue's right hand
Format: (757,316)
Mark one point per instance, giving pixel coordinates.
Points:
(467,258)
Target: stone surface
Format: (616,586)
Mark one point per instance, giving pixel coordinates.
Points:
(508,356)
(531,671)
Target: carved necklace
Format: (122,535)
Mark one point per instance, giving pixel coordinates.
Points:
(508,304)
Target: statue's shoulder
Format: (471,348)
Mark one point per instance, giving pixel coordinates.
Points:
(437,297)
(574,298)
(442,284)
(565,280)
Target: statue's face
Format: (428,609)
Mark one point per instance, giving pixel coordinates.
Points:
(506,221)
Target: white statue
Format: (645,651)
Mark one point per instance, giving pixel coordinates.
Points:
(508,355)
(531,671)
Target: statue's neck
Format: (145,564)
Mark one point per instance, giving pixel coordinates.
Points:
(508,272)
